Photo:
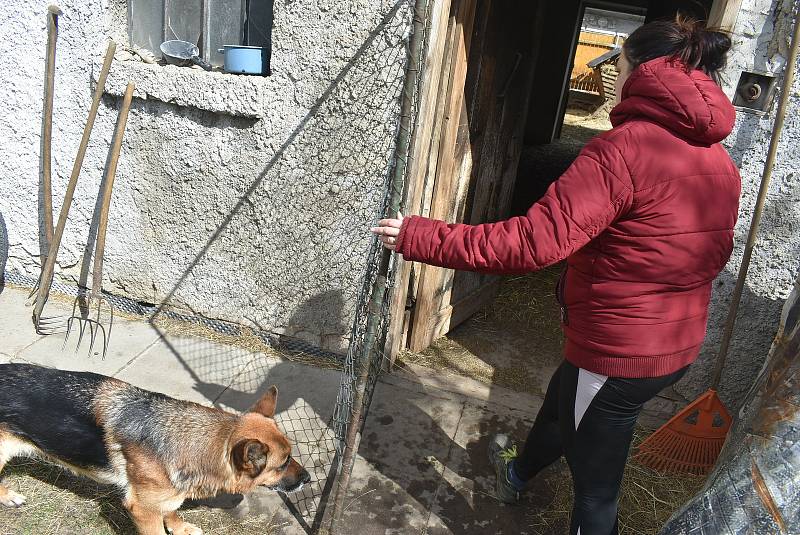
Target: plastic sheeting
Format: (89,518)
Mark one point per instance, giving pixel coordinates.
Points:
(755,487)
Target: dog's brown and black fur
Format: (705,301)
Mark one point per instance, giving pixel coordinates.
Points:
(157,450)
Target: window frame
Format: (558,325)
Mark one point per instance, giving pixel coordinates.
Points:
(148,25)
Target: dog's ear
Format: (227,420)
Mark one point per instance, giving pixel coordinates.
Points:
(250,457)
(266,405)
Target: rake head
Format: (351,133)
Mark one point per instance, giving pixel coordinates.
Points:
(46,325)
(691,441)
(92,316)
(49,325)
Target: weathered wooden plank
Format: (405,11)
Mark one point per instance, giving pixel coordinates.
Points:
(458,312)
(723,14)
(475,143)
(517,111)
(419,155)
(433,284)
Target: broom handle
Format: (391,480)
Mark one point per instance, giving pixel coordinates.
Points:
(786,88)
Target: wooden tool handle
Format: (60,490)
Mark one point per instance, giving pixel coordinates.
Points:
(47,125)
(105,205)
(47,271)
(783,104)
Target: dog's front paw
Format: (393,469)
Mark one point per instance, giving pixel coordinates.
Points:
(187,529)
(9,498)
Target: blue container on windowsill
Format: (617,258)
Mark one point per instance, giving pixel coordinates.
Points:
(240,59)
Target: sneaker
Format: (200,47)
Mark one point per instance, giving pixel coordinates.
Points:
(502,452)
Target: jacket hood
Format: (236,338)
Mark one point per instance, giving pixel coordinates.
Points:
(687,102)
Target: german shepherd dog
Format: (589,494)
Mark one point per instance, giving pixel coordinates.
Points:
(157,450)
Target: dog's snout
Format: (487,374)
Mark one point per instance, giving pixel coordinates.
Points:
(305,477)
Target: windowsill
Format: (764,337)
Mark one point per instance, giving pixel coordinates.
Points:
(218,92)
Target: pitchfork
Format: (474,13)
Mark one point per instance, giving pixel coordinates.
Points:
(90,309)
(53,324)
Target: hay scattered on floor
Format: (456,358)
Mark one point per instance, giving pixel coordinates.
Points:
(526,301)
(647,500)
(60,503)
(526,313)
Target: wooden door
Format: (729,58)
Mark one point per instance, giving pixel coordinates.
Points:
(465,164)
(498,84)
(450,171)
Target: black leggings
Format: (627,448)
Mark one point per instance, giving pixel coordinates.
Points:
(589,419)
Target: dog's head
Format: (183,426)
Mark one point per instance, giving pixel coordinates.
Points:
(261,453)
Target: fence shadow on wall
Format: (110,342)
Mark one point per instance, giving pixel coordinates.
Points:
(306,401)
(246,200)
(3,251)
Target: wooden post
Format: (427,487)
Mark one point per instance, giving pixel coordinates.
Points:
(723,14)
(432,70)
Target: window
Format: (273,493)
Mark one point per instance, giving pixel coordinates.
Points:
(210,24)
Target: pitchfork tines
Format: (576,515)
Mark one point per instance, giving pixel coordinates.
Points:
(92,312)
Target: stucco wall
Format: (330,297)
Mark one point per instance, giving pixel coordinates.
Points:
(760,43)
(243,198)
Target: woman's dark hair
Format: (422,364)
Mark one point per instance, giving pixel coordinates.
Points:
(684,39)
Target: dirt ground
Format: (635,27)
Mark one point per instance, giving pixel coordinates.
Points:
(60,503)
(515,342)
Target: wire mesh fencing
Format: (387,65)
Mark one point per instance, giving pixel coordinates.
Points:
(365,357)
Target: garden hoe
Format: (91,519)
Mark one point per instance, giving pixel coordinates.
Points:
(93,311)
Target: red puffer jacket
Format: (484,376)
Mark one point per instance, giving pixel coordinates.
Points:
(644,217)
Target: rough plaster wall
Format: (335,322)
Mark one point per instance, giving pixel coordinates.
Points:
(255,220)
(761,40)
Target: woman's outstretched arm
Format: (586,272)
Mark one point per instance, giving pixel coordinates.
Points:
(589,196)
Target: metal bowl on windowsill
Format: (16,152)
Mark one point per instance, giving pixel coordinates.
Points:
(241,59)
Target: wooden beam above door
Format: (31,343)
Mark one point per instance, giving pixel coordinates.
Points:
(723,14)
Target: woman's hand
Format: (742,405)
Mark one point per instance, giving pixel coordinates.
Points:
(388,230)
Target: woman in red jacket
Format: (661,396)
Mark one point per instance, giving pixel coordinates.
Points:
(644,218)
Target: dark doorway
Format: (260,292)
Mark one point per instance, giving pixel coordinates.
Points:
(549,148)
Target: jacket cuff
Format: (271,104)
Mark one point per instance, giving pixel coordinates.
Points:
(403,243)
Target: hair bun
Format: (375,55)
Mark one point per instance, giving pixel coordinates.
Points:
(704,48)
(682,38)
(715,48)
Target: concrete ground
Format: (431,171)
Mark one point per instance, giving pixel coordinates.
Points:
(422,465)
